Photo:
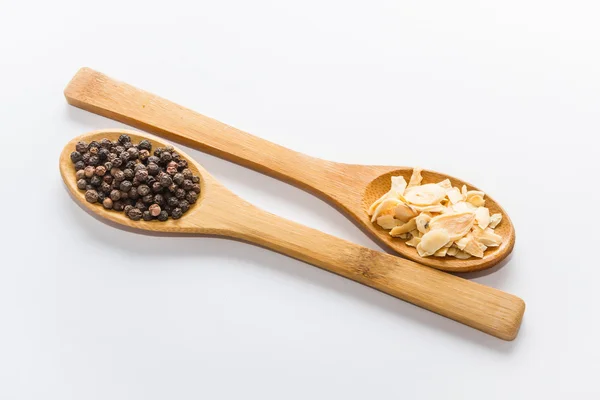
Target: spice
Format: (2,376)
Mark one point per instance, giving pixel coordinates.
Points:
(89,171)
(123,176)
(91,196)
(81,147)
(154,210)
(115,195)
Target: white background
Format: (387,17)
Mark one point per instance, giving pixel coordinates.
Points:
(502,94)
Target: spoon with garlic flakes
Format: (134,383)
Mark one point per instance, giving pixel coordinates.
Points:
(351,188)
(220,212)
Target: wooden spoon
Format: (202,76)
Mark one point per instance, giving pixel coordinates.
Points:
(222,213)
(351,188)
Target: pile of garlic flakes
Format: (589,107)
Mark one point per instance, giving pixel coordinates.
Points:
(436,218)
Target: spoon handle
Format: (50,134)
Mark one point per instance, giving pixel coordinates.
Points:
(481,307)
(97,93)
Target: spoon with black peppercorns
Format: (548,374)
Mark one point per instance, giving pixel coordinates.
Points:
(113,174)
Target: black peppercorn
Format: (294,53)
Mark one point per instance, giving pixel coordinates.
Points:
(124,156)
(108,179)
(139,167)
(81,184)
(100,170)
(195,179)
(145,145)
(180,193)
(125,186)
(163,216)
(178,178)
(173,188)
(144,154)
(89,171)
(111,157)
(124,195)
(150,180)
(95,180)
(103,154)
(153,168)
(80,174)
(182,164)
(140,205)
(79,165)
(191,197)
(81,147)
(159,199)
(133,152)
(184,205)
(156,187)
(187,174)
(187,184)
(146,216)
(115,195)
(154,210)
(172,168)
(105,187)
(143,190)
(168,209)
(165,157)
(127,208)
(76,156)
(118,175)
(158,151)
(118,206)
(93,151)
(148,199)
(172,201)
(108,165)
(196,188)
(119,149)
(166,180)
(135,214)
(176,157)
(107,203)
(127,145)
(93,144)
(105,143)
(176,213)
(153,160)
(86,158)
(133,193)
(128,173)
(141,175)
(94,160)
(91,196)
(124,139)
(117,162)
(131,164)
(89,187)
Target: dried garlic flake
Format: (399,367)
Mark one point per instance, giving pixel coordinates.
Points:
(438,219)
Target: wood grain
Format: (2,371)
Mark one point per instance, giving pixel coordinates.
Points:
(222,213)
(351,188)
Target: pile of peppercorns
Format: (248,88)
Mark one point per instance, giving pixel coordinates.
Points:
(127,177)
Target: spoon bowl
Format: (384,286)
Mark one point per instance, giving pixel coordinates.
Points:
(493,255)
(351,188)
(219,212)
